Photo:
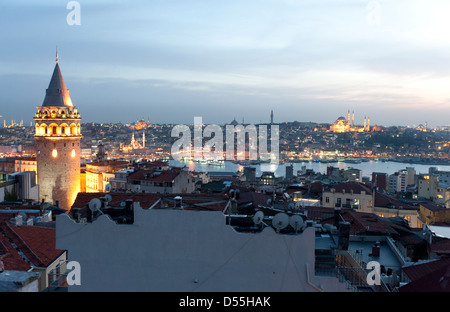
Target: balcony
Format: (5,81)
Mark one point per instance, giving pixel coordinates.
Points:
(57,279)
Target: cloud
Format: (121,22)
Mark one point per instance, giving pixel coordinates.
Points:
(222,56)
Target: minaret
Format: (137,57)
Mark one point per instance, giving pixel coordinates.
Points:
(271,116)
(58,135)
(348,117)
(133,141)
(353,119)
(368,123)
(143,138)
(101,155)
(364,123)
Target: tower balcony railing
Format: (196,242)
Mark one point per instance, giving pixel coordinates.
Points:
(57,116)
(60,135)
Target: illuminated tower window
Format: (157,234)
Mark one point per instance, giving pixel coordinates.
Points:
(54,153)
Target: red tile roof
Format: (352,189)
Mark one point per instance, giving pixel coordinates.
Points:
(9,256)
(432,206)
(441,247)
(210,202)
(388,201)
(36,243)
(146,200)
(360,222)
(120,163)
(40,243)
(155,175)
(415,272)
(428,277)
(356,187)
(216,202)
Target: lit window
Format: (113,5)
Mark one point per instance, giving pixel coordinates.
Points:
(54,153)
(73,153)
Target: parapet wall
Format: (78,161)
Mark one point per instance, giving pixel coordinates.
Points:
(184,251)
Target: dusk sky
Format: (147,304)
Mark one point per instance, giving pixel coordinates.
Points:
(171,60)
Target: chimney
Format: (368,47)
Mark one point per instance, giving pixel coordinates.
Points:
(128,204)
(337,216)
(18,220)
(179,202)
(376,249)
(344,235)
(57,203)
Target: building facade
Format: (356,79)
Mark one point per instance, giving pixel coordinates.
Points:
(172,181)
(349,195)
(99,173)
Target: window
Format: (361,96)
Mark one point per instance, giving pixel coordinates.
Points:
(327,199)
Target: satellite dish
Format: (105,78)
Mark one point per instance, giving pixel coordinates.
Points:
(136,188)
(280,221)
(296,222)
(95,204)
(269,202)
(108,198)
(258,217)
(291,206)
(46,206)
(108,187)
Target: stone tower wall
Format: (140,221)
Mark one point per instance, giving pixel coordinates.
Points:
(58,175)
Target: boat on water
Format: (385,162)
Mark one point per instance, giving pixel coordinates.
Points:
(249,162)
(328,160)
(216,163)
(353,161)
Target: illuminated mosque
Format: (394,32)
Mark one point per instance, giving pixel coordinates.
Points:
(342,125)
(134,144)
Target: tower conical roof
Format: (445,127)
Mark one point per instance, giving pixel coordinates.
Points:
(57,93)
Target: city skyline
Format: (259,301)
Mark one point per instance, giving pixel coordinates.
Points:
(171,61)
